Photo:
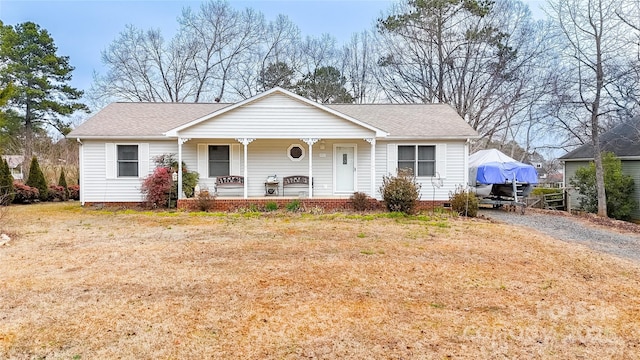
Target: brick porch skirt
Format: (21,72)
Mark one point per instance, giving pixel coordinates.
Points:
(231,204)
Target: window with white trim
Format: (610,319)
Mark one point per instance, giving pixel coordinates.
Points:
(219,160)
(127,160)
(419,159)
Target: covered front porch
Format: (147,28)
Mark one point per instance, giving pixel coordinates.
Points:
(255,168)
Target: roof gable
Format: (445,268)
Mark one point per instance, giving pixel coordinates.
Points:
(273,92)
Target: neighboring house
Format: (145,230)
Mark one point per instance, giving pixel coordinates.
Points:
(342,148)
(15,165)
(622,140)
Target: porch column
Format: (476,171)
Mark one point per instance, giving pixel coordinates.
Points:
(372,141)
(245,142)
(180,142)
(310,142)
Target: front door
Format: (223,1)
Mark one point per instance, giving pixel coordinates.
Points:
(345,168)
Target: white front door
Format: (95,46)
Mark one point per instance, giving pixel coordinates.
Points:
(345,168)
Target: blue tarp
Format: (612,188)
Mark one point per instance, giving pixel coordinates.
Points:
(504,172)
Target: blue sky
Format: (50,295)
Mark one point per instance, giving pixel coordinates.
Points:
(82,29)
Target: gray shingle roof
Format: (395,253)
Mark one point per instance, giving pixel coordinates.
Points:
(412,121)
(622,140)
(141,119)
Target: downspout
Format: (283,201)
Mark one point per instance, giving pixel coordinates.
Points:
(80,170)
(179,194)
(466,163)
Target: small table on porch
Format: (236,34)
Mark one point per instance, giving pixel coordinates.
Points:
(271,188)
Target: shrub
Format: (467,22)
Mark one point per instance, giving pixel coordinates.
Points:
(360,201)
(189,182)
(204,200)
(25,194)
(618,187)
(400,193)
(156,188)
(56,193)
(189,178)
(464,202)
(36,179)
(544,191)
(271,206)
(74,192)
(62,181)
(294,205)
(6,184)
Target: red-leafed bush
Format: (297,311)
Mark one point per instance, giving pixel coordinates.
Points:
(157,187)
(74,192)
(25,194)
(56,193)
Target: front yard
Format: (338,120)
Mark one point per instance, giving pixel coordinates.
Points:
(97,284)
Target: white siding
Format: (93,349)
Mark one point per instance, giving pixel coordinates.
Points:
(277,117)
(450,163)
(269,157)
(99,186)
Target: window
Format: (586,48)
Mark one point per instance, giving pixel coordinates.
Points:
(219,161)
(127,160)
(295,152)
(421,157)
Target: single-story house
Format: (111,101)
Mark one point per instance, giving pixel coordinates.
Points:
(624,141)
(277,136)
(15,165)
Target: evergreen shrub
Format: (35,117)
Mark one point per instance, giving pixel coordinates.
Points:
(74,192)
(6,184)
(25,194)
(361,201)
(56,193)
(618,187)
(36,179)
(62,181)
(464,202)
(400,193)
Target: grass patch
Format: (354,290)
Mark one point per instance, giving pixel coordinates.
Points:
(107,284)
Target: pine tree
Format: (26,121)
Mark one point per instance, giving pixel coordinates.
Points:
(6,184)
(62,181)
(36,179)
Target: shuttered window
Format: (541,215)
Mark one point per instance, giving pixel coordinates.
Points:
(127,160)
(420,160)
(219,160)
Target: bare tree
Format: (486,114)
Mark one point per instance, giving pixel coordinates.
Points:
(143,67)
(358,66)
(593,44)
(477,56)
(224,36)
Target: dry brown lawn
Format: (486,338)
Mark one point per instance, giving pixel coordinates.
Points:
(94,284)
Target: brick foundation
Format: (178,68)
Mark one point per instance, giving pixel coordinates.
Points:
(227,205)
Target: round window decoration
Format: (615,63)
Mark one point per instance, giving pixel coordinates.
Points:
(295,152)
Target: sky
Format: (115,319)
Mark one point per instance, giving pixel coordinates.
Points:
(83,29)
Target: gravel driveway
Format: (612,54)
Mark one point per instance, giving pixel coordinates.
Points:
(567,228)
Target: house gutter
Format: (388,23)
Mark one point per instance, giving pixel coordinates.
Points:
(128,137)
(80,168)
(439,138)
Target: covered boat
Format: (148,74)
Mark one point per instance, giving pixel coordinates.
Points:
(495,175)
